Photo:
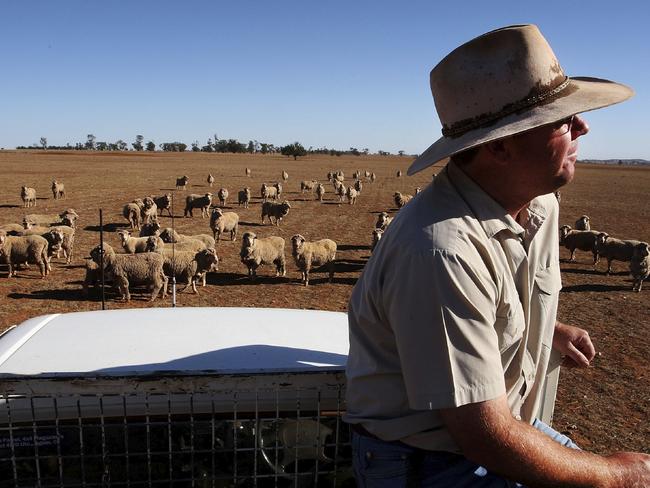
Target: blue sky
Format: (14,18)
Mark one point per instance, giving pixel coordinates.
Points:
(332,73)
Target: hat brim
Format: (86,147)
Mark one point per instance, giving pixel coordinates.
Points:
(581,95)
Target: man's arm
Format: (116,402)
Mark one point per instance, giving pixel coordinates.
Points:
(574,344)
(487,434)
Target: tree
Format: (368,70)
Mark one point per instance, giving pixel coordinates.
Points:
(44,142)
(137,145)
(90,143)
(296,149)
(120,145)
(401,153)
(195,146)
(151,146)
(251,147)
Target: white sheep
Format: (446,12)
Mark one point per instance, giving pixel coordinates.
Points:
(223,196)
(28,196)
(244,197)
(377,234)
(401,199)
(341,191)
(152,229)
(383,221)
(133,269)
(399,173)
(67,243)
(221,222)
(189,266)
(258,251)
(197,201)
(248,172)
(164,202)
(583,223)
(417,190)
(131,212)
(640,265)
(351,193)
(308,185)
(285,176)
(275,210)
(134,245)
(585,240)
(24,249)
(181,183)
(58,190)
(169,235)
(149,211)
(316,253)
(278,187)
(210,180)
(373,177)
(268,191)
(358,186)
(614,249)
(12,229)
(320,191)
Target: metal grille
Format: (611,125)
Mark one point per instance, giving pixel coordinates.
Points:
(262,430)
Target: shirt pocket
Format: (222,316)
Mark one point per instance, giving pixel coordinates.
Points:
(549,280)
(509,322)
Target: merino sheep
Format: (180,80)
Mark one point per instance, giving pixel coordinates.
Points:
(52,235)
(21,249)
(275,210)
(244,197)
(28,196)
(93,276)
(309,186)
(152,229)
(278,187)
(268,191)
(351,193)
(149,211)
(12,229)
(417,190)
(169,235)
(248,172)
(401,199)
(67,217)
(585,240)
(308,254)
(558,195)
(189,266)
(133,269)
(223,196)
(131,212)
(614,249)
(134,245)
(341,191)
(58,190)
(181,183)
(377,234)
(221,222)
(285,176)
(399,173)
(583,223)
(383,220)
(373,177)
(320,191)
(210,180)
(640,265)
(197,201)
(67,243)
(358,186)
(164,202)
(258,251)
(356,175)
(366,173)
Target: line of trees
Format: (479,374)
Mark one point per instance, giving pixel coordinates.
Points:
(214,144)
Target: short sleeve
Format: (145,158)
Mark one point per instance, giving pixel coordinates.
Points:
(443,314)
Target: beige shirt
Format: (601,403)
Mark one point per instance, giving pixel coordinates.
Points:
(457,305)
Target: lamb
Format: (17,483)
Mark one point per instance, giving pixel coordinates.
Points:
(152,229)
(317,253)
(358,186)
(131,212)
(585,240)
(210,180)
(320,191)
(58,190)
(285,176)
(169,235)
(377,234)
(181,183)
(221,222)
(244,197)
(28,196)
(66,244)
(256,252)
(341,191)
(351,193)
(401,199)
(307,185)
(197,201)
(164,202)
(267,192)
(248,172)
(189,266)
(21,249)
(134,245)
(383,220)
(614,249)
(583,223)
(640,265)
(223,196)
(149,211)
(275,210)
(133,269)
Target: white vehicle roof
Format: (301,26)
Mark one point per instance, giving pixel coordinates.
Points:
(186,340)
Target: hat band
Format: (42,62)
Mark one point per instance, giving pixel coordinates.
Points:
(463,126)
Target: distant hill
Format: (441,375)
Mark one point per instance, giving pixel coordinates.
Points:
(631,162)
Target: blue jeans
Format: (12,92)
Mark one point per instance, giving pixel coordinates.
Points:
(379,464)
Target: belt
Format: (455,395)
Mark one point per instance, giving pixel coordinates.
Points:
(361,430)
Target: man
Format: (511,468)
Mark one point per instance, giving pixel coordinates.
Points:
(453,321)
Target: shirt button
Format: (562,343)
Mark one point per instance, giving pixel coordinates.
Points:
(368,455)
(518,417)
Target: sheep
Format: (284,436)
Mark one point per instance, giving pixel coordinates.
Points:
(285,176)
(341,191)
(377,234)
(585,240)
(366,174)
(276,210)
(640,265)
(356,175)
(401,199)
(223,196)
(28,196)
(278,187)
(320,191)
(267,192)
(221,222)
(351,193)
(256,252)
(339,175)
(558,195)
(358,186)
(614,249)
(169,235)
(139,202)
(149,211)
(58,190)
(373,177)
(189,266)
(12,229)
(181,183)
(52,235)
(92,276)
(133,269)
(134,245)
(248,172)
(67,217)
(244,197)
(210,180)
(164,202)
(68,236)
(308,254)
(131,212)
(399,173)
(417,190)
(383,220)
(152,229)
(21,249)
(583,223)
(306,185)
(197,201)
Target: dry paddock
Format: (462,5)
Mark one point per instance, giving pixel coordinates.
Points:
(604,408)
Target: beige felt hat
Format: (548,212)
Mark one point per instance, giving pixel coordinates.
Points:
(505,82)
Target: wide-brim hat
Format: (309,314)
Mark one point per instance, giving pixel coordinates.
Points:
(503,83)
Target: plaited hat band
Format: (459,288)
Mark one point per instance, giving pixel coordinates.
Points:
(461,127)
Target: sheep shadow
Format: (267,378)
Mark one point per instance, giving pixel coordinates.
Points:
(332,202)
(112,227)
(9,205)
(237,279)
(251,224)
(66,295)
(349,266)
(595,288)
(353,247)
(166,189)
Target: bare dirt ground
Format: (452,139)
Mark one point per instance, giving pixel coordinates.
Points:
(604,409)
